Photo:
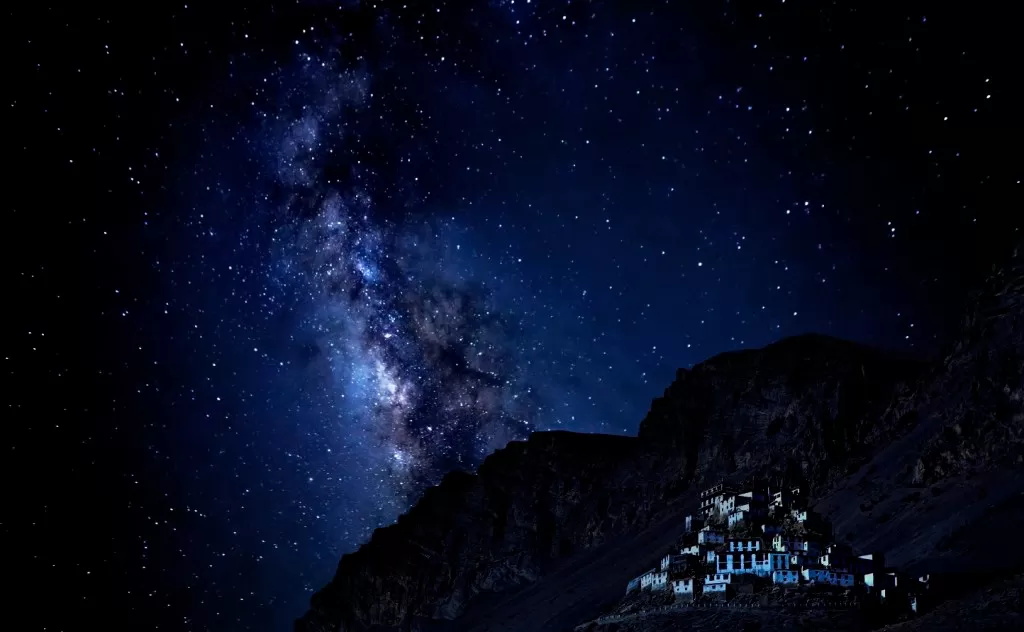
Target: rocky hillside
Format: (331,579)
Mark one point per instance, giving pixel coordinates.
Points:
(807,406)
(950,485)
(914,458)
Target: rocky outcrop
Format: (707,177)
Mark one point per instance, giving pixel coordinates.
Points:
(948,484)
(977,392)
(530,504)
(559,512)
(806,407)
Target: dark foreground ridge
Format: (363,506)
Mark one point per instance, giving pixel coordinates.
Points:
(921,460)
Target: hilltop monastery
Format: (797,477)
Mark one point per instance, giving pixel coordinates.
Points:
(758,535)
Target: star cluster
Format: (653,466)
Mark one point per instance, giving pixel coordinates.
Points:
(296,263)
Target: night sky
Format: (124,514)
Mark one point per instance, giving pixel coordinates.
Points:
(271,271)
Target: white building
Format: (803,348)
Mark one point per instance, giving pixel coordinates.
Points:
(716,490)
(712,491)
(809,547)
(717,583)
(738,518)
(683,587)
(784,576)
(745,563)
(723,502)
(654,581)
(777,561)
(781,543)
(719,498)
(647,578)
(745,544)
(672,561)
(784,497)
(825,576)
(693,523)
(751,497)
(786,560)
(707,536)
(748,506)
(659,581)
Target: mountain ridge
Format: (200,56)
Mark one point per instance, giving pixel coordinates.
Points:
(867,429)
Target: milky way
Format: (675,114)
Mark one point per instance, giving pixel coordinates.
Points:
(430,273)
(333,250)
(414,358)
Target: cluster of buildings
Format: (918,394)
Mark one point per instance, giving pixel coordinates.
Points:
(753,536)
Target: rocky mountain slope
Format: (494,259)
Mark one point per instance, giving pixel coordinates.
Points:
(921,460)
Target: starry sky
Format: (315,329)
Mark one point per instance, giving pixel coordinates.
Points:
(274,270)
